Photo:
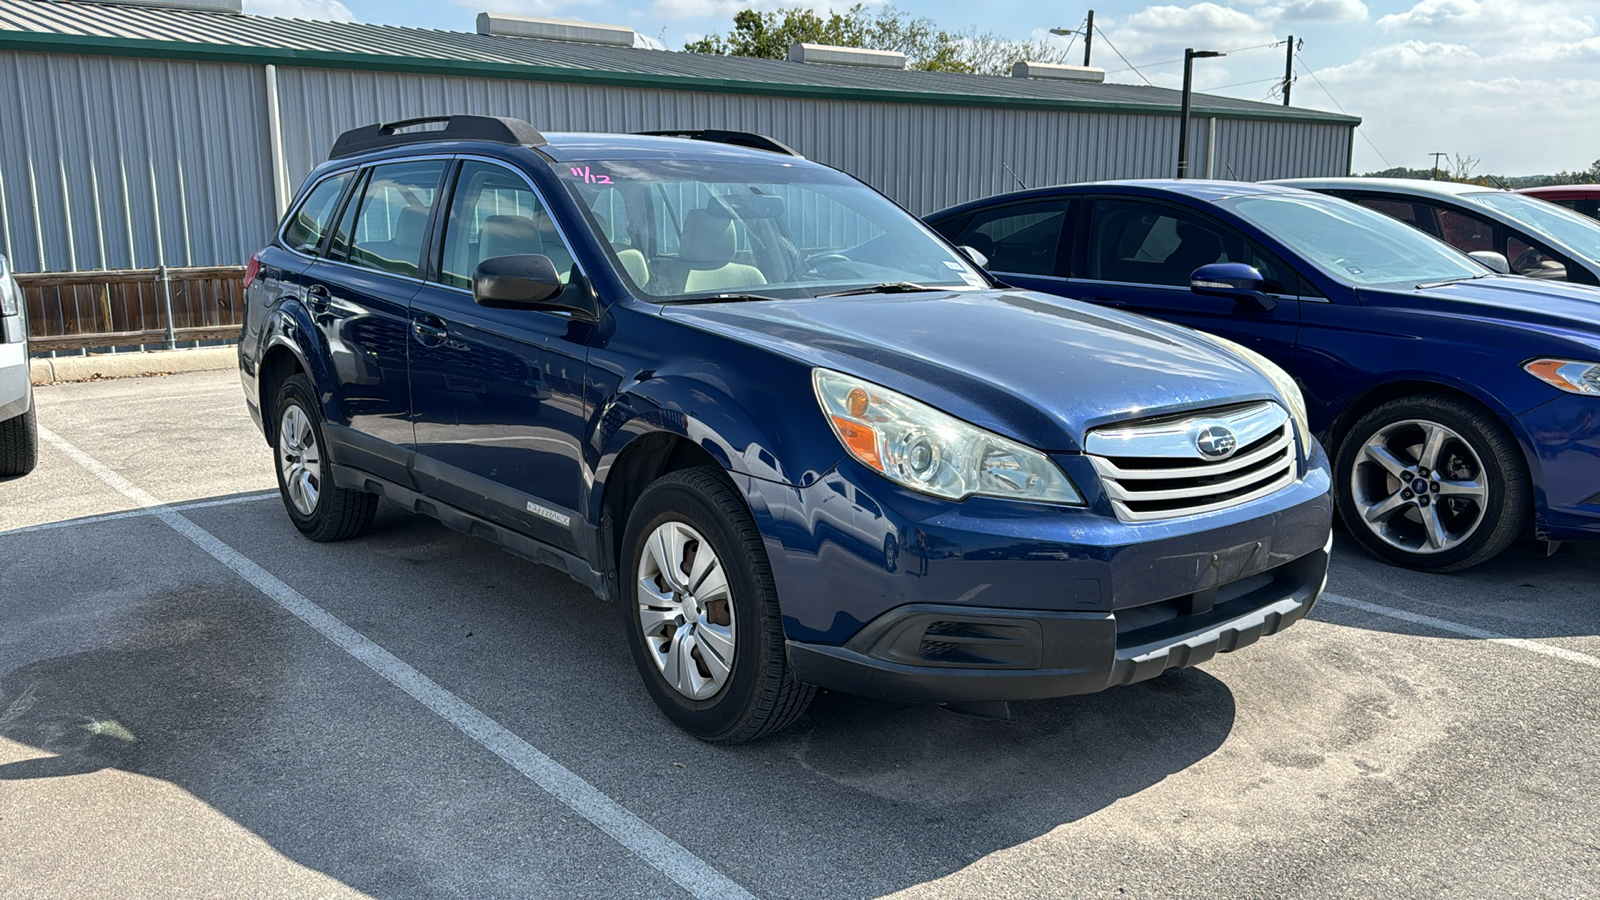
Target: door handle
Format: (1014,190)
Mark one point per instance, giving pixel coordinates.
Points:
(317,297)
(1105,301)
(430,331)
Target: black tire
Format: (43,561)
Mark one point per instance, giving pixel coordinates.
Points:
(19,442)
(760,695)
(1505,510)
(339,514)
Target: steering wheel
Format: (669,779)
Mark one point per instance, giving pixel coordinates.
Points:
(812,263)
(1527,259)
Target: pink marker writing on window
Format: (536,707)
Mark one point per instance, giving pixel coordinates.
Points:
(590,177)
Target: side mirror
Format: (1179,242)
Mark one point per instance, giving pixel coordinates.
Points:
(978,259)
(525,282)
(1239,282)
(1493,259)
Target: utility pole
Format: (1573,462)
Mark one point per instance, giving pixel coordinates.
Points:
(1088,38)
(1189,56)
(1436,164)
(1288,72)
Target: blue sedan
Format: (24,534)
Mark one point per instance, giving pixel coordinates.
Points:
(1460,406)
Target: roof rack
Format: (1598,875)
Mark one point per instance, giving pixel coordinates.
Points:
(736,138)
(495,129)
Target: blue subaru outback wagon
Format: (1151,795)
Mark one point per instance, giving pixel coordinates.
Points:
(798,436)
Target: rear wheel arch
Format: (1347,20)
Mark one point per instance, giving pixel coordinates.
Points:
(277,365)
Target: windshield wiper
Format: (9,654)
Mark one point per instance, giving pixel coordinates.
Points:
(724,298)
(1448,281)
(888,287)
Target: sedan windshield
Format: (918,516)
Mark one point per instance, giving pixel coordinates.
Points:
(1354,243)
(697,230)
(1578,232)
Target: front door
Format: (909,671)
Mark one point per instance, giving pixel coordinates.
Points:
(1138,255)
(497,394)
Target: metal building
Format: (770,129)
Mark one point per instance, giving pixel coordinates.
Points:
(149,133)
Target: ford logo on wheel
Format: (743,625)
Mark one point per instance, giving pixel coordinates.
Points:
(1216,442)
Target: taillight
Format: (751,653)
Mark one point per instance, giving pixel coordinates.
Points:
(251,271)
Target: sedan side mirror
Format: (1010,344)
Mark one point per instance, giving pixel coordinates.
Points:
(978,259)
(527,281)
(1239,282)
(1493,259)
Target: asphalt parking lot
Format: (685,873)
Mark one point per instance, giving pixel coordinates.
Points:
(195,701)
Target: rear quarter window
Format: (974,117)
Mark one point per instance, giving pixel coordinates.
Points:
(309,222)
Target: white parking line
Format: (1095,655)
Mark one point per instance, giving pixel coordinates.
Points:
(667,856)
(1540,647)
(139,513)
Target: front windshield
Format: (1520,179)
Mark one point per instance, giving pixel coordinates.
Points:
(1354,243)
(688,229)
(1578,232)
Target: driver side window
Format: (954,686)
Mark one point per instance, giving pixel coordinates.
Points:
(494,213)
(1136,242)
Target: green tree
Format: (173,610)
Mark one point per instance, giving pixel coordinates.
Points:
(927,46)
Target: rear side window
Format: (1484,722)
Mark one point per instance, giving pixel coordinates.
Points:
(1024,238)
(493,213)
(309,222)
(1465,233)
(383,227)
(1400,209)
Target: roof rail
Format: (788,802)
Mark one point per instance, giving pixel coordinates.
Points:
(736,138)
(495,129)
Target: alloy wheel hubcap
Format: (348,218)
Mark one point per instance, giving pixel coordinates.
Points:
(1419,487)
(686,611)
(300,460)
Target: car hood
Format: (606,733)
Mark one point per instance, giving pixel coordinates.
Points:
(1041,369)
(1571,308)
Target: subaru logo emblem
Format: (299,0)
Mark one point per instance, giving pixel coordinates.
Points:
(1216,442)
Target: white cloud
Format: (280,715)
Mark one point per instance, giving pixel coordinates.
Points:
(328,10)
(1157,30)
(1507,21)
(1329,11)
(1521,109)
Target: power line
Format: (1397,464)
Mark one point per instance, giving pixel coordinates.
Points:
(1168,62)
(1125,59)
(1336,103)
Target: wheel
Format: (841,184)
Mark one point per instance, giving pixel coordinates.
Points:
(1432,483)
(701,611)
(19,442)
(322,511)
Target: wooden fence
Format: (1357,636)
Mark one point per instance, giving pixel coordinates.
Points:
(73,310)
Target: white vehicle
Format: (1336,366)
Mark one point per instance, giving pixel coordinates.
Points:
(19,433)
(1505,230)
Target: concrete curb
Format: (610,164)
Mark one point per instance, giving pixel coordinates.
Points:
(131,365)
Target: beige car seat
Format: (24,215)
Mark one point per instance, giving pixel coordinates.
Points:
(705,259)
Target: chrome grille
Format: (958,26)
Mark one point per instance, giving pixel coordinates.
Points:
(1156,470)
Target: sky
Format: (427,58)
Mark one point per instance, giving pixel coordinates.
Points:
(1513,83)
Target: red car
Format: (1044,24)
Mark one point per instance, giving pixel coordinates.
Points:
(1584,198)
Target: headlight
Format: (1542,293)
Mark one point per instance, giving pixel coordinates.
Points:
(1570,375)
(1280,380)
(915,445)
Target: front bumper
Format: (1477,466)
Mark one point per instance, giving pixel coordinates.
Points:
(946,653)
(1563,438)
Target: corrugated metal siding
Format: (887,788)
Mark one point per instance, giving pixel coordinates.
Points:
(1257,150)
(130,163)
(925,157)
(121,163)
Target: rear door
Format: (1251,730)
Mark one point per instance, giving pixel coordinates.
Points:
(1138,254)
(360,294)
(497,394)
